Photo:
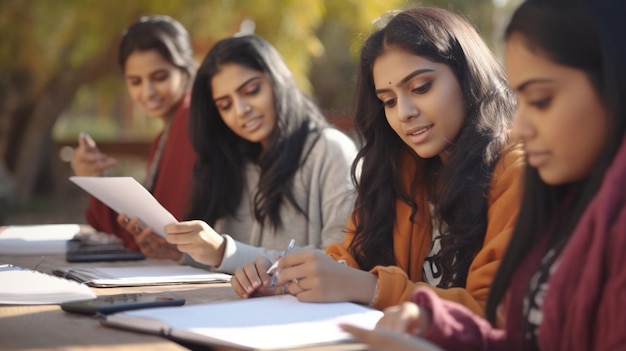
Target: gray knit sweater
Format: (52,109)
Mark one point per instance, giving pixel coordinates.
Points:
(322,188)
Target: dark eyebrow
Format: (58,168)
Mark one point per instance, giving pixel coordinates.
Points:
(161,70)
(157,71)
(407,78)
(524,85)
(239,87)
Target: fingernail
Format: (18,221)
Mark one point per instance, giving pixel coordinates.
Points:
(89,140)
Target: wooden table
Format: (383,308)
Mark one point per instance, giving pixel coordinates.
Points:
(47,327)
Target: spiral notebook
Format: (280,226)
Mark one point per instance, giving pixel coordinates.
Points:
(23,286)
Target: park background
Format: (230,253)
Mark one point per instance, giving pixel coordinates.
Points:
(59,76)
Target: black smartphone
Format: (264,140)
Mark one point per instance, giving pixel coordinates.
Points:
(117,303)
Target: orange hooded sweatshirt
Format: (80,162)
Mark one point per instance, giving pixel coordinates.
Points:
(412,242)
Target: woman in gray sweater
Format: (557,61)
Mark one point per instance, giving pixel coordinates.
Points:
(270,168)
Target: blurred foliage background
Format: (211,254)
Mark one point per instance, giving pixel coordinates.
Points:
(58,76)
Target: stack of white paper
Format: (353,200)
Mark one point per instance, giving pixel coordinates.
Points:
(46,239)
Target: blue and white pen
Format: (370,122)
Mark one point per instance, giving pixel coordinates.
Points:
(272,270)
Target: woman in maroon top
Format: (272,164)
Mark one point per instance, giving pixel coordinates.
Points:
(561,284)
(156,59)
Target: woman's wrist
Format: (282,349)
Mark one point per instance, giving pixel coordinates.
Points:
(365,290)
(219,252)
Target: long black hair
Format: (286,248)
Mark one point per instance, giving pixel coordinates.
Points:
(457,188)
(588,36)
(163,34)
(219,172)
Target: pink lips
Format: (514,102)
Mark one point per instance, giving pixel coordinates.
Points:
(537,159)
(253,124)
(419,135)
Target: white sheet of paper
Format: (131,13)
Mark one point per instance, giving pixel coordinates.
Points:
(126,195)
(275,322)
(44,239)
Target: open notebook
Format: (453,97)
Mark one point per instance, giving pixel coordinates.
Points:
(264,323)
(22,286)
(105,277)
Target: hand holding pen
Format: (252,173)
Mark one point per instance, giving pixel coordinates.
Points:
(308,274)
(273,270)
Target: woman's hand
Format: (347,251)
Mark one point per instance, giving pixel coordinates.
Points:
(88,160)
(252,280)
(385,339)
(313,276)
(151,244)
(405,318)
(197,239)
(398,329)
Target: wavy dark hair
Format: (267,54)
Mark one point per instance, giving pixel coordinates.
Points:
(457,188)
(219,173)
(163,34)
(587,36)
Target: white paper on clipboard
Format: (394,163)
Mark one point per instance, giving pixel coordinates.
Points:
(126,195)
